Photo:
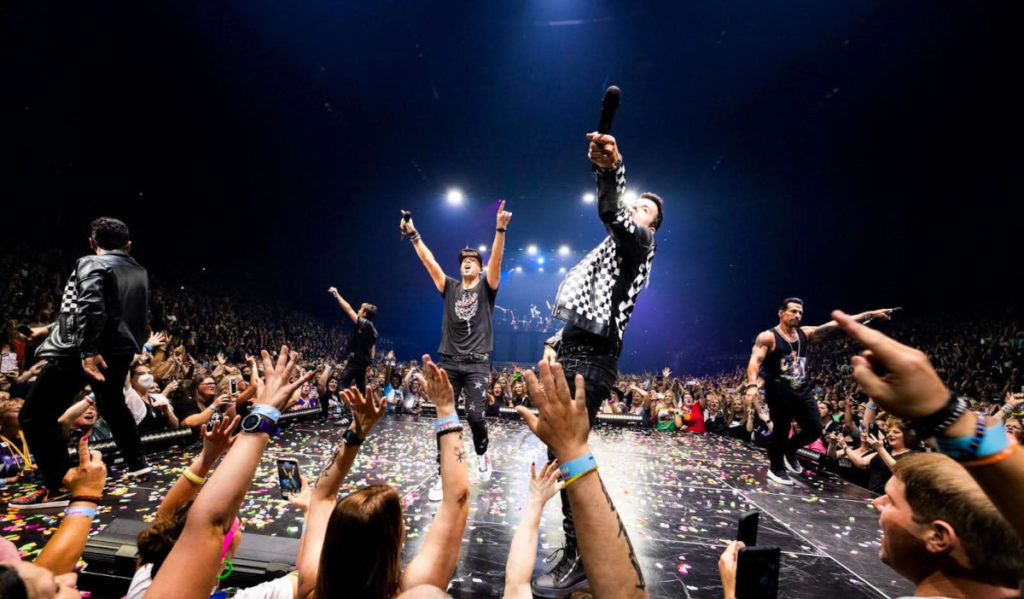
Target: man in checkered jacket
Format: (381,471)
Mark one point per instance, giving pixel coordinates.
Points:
(596,300)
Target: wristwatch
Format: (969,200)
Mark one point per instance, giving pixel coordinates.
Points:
(351,438)
(262,419)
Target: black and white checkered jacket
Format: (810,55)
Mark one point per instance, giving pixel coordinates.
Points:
(599,293)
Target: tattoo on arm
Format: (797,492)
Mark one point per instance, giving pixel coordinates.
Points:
(622,533)
(460,454)
(328,465)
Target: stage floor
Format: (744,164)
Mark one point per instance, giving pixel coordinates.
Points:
(679,496)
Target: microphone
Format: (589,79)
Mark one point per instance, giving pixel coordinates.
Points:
(609,104)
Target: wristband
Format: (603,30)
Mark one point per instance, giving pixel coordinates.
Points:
(89,498)
(267,410)
(147,347)
(80,510)
(984,443)
(192,476)
(574,469)
(90,399)
(454,429)
(871,406)
(446,422)
(931,425)
(414,236)
(996,458)
(1007,409)
(500,229)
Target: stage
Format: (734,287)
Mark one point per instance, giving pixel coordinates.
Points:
(679,496)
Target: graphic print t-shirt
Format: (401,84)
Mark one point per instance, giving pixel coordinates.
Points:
(466,328)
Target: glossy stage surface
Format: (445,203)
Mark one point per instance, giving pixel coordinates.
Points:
(679,495)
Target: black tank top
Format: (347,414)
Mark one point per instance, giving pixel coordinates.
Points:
(785,367)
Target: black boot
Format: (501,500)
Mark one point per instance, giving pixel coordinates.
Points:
(566,577)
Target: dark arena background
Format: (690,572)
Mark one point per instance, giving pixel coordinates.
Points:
(861,156)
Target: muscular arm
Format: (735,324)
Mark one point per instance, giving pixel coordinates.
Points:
(818,333)
(762,345)
(427,257)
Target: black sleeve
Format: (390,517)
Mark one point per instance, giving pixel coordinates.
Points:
(90,280)
(611,183)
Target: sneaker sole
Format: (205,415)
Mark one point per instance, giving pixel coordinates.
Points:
(582,585)
(39,506)
(780,481)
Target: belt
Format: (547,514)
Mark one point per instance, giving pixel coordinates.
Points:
(466,358)
(585,350)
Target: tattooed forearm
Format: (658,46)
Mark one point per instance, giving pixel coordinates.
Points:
(622,533)
(460,454)
(328,465)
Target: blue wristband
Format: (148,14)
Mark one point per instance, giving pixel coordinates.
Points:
(871,406)
(446,422)
(266,410)
(575,468)
(80,510)
(986,442)
(146,347)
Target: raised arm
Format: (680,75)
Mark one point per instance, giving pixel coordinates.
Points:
(215,443)
(435,562)
(523,553)
(198,550)
(62,551)
(344,305)
(498,247)
(821,331)
(562,423)
(611,184)
(77,409)
(366,411)
(426,256)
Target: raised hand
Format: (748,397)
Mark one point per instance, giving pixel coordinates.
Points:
(333,291)
(435,382)
(218,440)
(92,366)
(301,499)
(89,476)
(545,485)
(503,216)
(157,340)
(366,410)
(603,150)
(275,389)
(563,423)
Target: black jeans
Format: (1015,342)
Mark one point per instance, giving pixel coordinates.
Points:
(473,379)
(599,369)
(785,406)
(55,389)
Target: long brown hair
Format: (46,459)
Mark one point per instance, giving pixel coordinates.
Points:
(361,556)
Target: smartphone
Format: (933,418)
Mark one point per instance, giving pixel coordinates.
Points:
(24,329)
(873,429)
(233,385)
(747,529)
(757,573)
(8,362)
(288,473)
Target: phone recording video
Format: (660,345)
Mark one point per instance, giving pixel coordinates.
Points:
(288,473)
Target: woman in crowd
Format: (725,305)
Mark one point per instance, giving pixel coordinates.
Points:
(901,442)
(692,413)
(205,404)
(15,460)
(519,396)
(152,411)
(736,414)
(714,417)
(496,398)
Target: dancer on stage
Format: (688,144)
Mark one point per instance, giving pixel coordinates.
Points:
(467,337)
(101,326)
(783,352)
(359,350)
(596,300)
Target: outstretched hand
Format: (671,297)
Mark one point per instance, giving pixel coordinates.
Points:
(503,216)
(545,485)
(275,388)
(218,439)
(92,366)
(899,378)
(563,423)
(367,409)
(435,382)
(90,475)
(603,150)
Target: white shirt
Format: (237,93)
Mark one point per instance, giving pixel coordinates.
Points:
(279,588)
(135,404)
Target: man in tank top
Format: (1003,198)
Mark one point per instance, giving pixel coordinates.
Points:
(782,352)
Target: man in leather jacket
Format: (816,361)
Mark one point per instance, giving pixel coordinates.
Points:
(101,326)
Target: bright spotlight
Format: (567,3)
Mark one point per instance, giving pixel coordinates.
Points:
(541,269)
(519,269)
(563,250)
(561,269)
(455,197)
(629,197)
(588,198)
(482,248)
(531,249)
(540,260)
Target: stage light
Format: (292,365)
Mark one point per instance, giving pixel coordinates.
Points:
(588,198)
(563,250)
(561,269)
(455,197)
(540,269)
(482,248)
(629,197)
(519,269)
(531,249)
(540,260)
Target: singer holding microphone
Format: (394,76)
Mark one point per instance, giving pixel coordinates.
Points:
(595,300)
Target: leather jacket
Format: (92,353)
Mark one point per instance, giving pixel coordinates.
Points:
(103,309)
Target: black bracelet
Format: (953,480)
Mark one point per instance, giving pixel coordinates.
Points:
(454,429)
(929,426)
(90,499)
(500,229)
(414,236)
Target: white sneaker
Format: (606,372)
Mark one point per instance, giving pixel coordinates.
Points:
(780,477)
(484,467)
(436,491)
(794,466)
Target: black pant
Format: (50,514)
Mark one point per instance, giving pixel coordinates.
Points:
(55,389)
(599,370)
(785,406)
(473,379)
(353,374)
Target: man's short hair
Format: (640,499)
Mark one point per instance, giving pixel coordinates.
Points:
(471,253)
(656,223)
(369,310)
(790,300)
(937,488)
(109,233)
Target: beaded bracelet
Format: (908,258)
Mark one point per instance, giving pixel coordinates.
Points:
(80,510)
(192,476)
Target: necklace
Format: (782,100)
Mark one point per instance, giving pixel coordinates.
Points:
(790,343)
(23,452)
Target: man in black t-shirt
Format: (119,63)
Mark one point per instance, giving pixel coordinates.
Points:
(359,350)
(466,333)
(783,352)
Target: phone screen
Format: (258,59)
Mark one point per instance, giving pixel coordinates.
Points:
(757,573)
(288,473)
(8,362)
(747,529)
(233,385)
